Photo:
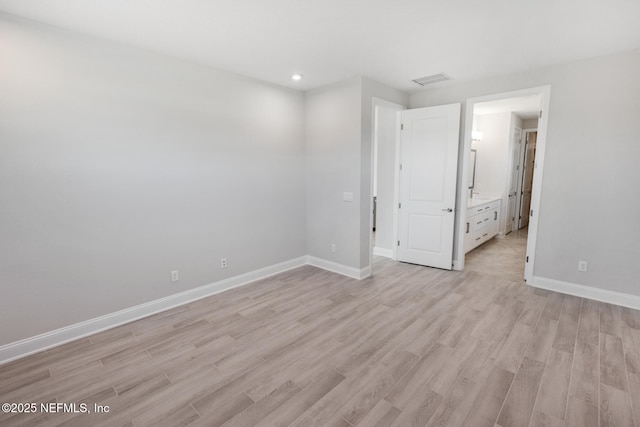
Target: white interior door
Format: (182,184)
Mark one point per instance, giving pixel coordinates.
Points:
(527,178)
(428,171)
(511,223)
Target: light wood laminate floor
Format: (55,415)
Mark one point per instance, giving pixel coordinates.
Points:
(410,346)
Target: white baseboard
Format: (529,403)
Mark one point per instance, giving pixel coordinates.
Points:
(388,253)
(589,292)
(60,336)
(339,268)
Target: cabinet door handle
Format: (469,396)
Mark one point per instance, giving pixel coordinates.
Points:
(495,216)
(467,228)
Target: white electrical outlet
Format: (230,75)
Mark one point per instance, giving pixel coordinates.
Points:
(583,265)
(333,248)
(223,263)
(175,276)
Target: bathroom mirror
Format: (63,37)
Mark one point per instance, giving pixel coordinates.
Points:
(472,168)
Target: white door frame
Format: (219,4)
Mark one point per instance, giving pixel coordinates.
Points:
(379,102)
(545,92)
(512,165)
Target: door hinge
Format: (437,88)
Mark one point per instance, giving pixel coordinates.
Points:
(402,126)
(531,213)
(540,113)
(398,242)
(400,166)
(399,205)
(527,258)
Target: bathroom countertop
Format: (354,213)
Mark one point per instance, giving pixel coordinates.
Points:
(480,200)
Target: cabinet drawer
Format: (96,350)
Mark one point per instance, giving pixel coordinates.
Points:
(476,210)
(481,236)
(480,221)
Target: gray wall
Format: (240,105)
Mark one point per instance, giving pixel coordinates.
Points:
(589,204)
(339,140)
(332,123)
(118,165)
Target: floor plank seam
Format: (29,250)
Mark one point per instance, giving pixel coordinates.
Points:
(626,377)
(505,399)
(572,376)
(599,374)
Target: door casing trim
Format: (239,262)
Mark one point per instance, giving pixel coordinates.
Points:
(545,94)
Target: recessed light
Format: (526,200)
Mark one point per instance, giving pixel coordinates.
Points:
(296,76)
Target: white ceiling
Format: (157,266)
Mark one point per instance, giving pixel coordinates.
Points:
(526,107)
(392,41)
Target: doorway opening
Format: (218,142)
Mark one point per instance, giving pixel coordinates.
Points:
(384,180)
(525,178)
(504,139)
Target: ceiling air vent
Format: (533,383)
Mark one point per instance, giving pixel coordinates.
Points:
(429,80)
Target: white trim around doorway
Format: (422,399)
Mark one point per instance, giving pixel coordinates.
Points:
(545,94)
(378,102)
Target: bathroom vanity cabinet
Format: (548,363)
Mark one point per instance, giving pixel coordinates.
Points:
(483,219)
